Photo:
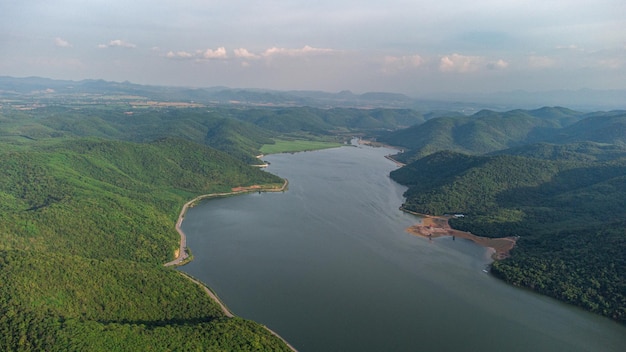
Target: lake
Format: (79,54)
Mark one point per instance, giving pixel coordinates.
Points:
(328,266)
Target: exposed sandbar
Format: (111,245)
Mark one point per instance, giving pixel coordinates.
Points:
(437,226)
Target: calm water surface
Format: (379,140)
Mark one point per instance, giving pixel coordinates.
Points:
(328,265)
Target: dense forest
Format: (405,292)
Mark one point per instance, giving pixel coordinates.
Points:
(86,225)
(484,132)
(238,131)
(564,200)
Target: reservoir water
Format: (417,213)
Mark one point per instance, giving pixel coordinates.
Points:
(328,266)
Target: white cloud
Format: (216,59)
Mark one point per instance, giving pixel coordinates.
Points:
(540,61)
(179,55)
(244,54)
(241,53)
(464,63)
(204,54)
(460,63)
(305,51)
(117,43)
(62,43)
(121,43)
(219,53)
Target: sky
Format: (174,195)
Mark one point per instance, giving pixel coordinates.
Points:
(412,47)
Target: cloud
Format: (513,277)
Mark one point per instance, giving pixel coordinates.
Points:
(460,63)
(398,63)
(62,43)
(219,53)
(464,64)
(305,51)
(117,43)
(179,55)
(245,54)
(203,54)
(540,61)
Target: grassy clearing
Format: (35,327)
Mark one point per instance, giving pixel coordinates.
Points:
(289,146)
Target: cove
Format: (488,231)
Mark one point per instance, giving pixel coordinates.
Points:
(329,266)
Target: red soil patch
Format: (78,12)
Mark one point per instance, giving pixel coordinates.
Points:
(433,227)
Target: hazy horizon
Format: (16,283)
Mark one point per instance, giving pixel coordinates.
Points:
(412,47)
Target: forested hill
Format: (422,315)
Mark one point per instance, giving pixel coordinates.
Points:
(553,176)
(489,131)
(239,132)
(326,121)
(566,202)
(85,227)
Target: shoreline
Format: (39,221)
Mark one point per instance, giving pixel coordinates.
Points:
(182,253)
(438,226)
(388,156)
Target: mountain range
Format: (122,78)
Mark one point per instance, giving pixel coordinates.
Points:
(584,99)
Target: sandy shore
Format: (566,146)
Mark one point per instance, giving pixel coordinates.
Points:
(437,226)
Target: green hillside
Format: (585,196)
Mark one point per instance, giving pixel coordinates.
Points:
(325,121)
(85,227)
(607,127)
(120,198)
(484,132)
(563,196)
(582,151)
(241,132)
(568,212)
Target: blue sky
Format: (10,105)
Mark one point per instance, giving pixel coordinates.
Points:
(413,47)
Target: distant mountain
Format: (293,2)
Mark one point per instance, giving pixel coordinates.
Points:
(489,131)
(599,127)
(584,100)
(324,121)
(36,86)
